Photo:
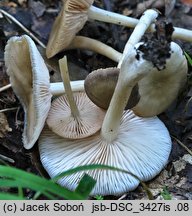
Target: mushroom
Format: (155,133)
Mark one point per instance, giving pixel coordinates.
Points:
(32,88)
(72,18)
(73,116)
(29,78)
(152,94)
(70,21)
(138,145)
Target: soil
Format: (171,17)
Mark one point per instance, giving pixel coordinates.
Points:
(38,17)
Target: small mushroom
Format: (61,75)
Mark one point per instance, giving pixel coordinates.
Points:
(29,78)
(73,116)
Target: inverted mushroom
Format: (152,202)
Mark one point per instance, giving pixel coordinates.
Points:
(32,88)
(71,115)
(70,21)
(154,93)
(138,145)
(29,78)
(151,96)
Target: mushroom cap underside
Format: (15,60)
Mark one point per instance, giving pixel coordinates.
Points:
(61,121)
(70,20)
(29,78)
(142,147)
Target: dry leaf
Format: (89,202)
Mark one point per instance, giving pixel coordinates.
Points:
(12,4)
(22,1)
(4,126)
(187,2)
(127,12)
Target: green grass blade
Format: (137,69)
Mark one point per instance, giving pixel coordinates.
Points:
(100,166)
(91,167)
(85,186)
(165,194)
(20,192)
(37,183)
(8,196)
(7,183)
(10,183)
(189,59)
(48,187)
(48,195)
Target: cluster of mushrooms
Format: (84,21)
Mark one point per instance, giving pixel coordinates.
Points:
(99,120)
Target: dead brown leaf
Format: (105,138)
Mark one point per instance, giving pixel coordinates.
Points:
(187,2)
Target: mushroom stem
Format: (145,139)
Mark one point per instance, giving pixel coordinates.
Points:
(81,42)
(66,82)
(182,34)
(111,17)
(145,21)
(119,19)
(57,88)
(129,75)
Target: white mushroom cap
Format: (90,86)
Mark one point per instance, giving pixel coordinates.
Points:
(61,121)
(158,90)
(142,147)
(29,78)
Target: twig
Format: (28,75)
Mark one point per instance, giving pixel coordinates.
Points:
(8,109)
(5,158)
(187,104)
(5,87)
(122,197)
(184,146)
(9,16)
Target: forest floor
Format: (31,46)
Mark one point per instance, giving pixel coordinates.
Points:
(38,17)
